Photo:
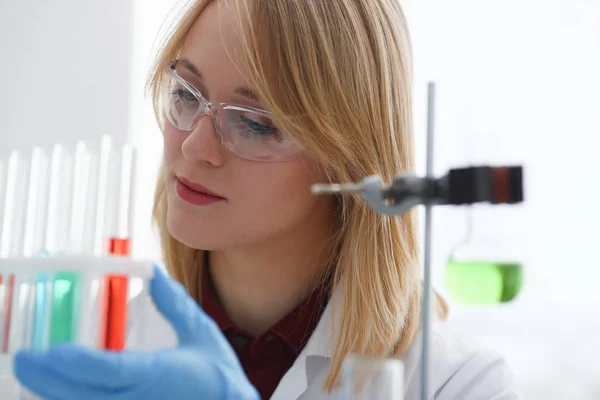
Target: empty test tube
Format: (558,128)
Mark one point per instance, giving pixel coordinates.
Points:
(59,195)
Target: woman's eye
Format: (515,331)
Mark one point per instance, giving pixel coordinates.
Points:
(185,95)
(256,126)
(260,130)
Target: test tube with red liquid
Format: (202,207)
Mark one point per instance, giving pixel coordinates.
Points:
(14,182)
(120,187)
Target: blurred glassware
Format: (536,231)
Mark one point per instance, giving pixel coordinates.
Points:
(483,271)
(366,378)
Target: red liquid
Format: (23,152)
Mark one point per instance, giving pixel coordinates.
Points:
(119,247)
(116,323)
(7,309)
(114,326)
(194,197)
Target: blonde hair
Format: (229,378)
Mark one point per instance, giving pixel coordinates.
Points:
(337,77)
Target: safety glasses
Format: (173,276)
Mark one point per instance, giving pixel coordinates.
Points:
(246,131)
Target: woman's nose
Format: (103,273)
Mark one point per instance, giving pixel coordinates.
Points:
(203,143)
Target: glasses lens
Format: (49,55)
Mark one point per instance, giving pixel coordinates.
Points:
(253,135)
(180,103)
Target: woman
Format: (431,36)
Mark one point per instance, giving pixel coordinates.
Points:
(258,100)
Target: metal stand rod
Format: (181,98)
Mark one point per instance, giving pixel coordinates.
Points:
(426,308)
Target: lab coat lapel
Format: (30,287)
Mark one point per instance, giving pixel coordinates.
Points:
(295,381)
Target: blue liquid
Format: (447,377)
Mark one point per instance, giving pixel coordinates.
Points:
(40,313)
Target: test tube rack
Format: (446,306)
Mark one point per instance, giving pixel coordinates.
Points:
(61,299)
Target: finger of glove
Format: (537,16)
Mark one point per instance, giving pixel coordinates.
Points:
(32,372)
(50,376)
(51,385)
(90,367)
(174,303)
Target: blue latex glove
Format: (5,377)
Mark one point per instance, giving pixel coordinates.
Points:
(203,366)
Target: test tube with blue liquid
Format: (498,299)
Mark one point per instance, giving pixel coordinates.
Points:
(35,225)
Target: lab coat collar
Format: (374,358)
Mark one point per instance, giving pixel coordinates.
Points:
(320,342)
(319,348)
(295,381)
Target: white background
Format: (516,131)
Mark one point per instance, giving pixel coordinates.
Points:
(517,82)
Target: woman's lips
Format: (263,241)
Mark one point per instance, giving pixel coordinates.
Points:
(195,193)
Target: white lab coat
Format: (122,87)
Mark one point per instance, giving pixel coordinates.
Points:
(461,369)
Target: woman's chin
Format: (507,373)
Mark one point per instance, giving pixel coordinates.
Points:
(188,233)
(195,242)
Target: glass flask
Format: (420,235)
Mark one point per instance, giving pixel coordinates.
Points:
(483,270)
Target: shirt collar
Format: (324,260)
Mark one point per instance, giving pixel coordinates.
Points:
(210,301)
(321,341)
(298,326)
(295,328)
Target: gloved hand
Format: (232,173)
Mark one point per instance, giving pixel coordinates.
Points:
(203,366)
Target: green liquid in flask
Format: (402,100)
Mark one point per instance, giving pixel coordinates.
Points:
(483,282)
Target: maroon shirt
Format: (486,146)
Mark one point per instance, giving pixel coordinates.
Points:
(267,358)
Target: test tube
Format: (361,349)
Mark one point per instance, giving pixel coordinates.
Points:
(35,223)
(15,192)
(7,284)
(119,217)
(56,294)
(37,203)
(59,202)
(92,324)
(11,234)
(80,187)
(119,195)
(82,217)
(4,308)
(41,311)
(3,176)
(102,182)
(65,307)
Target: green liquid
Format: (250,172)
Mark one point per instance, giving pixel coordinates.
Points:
(483,282)
(65,307)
